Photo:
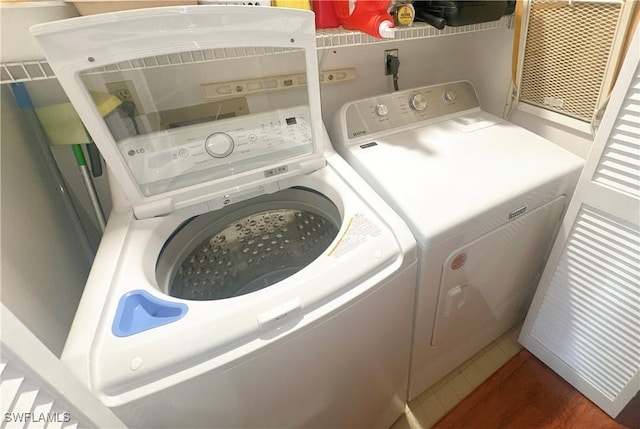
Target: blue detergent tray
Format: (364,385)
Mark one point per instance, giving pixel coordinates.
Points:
(139,311)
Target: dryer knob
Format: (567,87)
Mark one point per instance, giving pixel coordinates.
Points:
(219,145)
(382,109)
(450,96)
(418,102)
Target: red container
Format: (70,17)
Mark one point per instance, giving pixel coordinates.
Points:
(369,16)
(325,14)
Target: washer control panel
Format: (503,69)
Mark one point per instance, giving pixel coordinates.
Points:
(402,108)
(227,146)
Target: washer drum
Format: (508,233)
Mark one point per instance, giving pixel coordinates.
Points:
(247,246)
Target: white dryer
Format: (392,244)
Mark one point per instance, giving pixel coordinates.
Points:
(483,198)
(250,278)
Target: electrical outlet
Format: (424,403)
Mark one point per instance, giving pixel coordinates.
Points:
(389,53)
(125,90)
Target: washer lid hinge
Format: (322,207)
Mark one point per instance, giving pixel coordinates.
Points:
(154,208)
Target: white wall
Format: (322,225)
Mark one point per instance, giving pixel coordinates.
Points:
(16,43)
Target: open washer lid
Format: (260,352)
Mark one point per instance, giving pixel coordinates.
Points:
(196,104)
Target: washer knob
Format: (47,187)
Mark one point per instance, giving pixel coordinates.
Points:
(219,145)
(418,102)
(382,109)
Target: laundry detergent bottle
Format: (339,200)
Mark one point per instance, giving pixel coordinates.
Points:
(325,14)
(369,16)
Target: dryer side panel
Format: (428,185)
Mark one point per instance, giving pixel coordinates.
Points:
(486,285)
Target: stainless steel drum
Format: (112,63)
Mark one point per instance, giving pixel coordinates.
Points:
(247,246)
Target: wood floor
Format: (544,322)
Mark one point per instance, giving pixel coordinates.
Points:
(525,393)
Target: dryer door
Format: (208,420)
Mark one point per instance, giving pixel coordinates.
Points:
(486,286)
(194,104)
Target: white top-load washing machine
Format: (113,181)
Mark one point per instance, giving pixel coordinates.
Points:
(247,277)
(483,198)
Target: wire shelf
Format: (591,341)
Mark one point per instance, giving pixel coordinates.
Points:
(339,38)
(25,71)
(326,39)
(190,57)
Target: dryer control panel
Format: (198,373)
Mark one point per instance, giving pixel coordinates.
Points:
(403,108)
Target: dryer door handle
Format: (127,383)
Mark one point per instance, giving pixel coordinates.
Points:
(280,314)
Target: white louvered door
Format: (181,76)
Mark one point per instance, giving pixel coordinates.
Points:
(584,322)
(37,391)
